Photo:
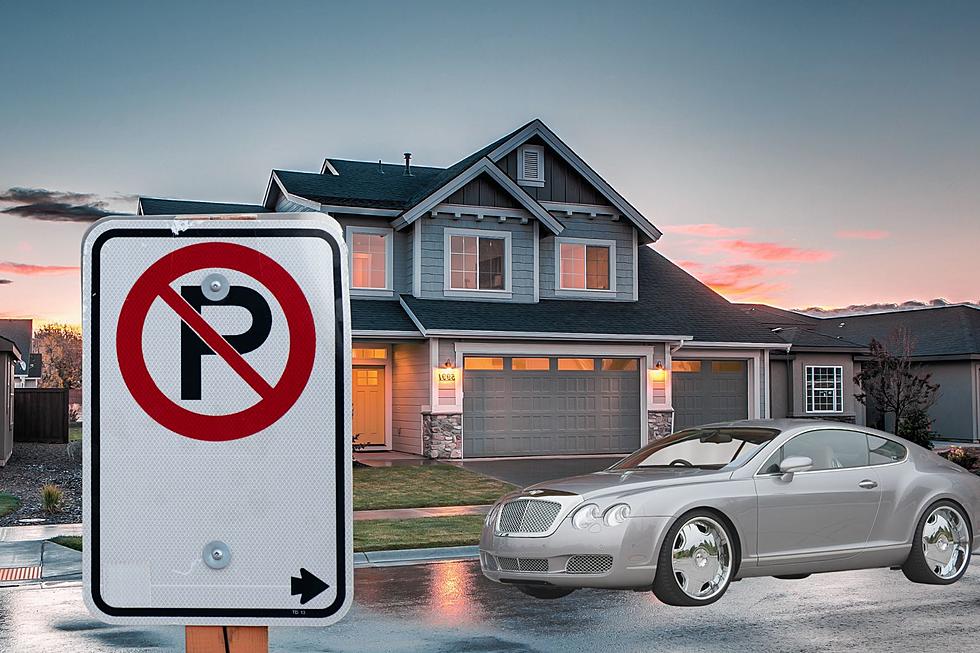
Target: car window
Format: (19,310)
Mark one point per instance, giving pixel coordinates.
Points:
(827,448)
(883,451)
(708,448)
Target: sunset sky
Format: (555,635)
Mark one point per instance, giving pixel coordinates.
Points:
(802,154)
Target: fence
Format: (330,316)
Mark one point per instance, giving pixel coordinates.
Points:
(41,415)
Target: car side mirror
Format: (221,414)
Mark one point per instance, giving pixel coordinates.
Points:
(794,464)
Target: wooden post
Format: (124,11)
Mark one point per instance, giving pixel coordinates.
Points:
(226,639)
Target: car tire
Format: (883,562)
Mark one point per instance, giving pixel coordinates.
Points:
(943,532)
(545,591)
(792,576)
(682,553)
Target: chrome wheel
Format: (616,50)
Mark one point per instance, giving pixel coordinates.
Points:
(946,542)
(701,558)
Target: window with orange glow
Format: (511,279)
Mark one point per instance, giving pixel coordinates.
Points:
(619,364)
(369,260)
(477,363)
(530,364)
(363,352)
(685,366)
(584,267)
(576,364)
(727,366)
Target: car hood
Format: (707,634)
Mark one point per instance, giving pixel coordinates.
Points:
(627,480)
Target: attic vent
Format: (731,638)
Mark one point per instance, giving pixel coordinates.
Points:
(530,165)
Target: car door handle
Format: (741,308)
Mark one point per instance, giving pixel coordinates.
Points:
(868,484)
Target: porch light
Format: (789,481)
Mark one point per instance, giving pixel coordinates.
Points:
(658,373)
(448,364)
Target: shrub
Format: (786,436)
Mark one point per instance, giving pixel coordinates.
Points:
(962,456)
(916,427)
(51,496)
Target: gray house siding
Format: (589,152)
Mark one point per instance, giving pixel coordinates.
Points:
(561,182)
(433,265)
(600,228)
(483,191)
(409,393)
(954,414)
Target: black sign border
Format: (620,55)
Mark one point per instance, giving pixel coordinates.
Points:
(340,446)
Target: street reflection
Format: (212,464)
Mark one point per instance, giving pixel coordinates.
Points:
(452,599)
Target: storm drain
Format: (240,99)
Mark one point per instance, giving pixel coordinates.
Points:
(539,565)
(589,564)
(20,573)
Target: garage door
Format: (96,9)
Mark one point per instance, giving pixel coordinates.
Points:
(708,391)
(535,406)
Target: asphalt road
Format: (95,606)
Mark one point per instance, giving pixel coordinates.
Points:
(450,607)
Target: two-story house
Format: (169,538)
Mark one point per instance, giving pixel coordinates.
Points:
(512,305)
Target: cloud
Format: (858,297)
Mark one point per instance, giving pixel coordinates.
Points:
(862,234)
(57,206)
(4,282)
(878,307)
(708,229)
(742,281)
(762,251)
(27,269)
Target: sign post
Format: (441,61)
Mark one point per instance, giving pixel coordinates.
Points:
(217,425)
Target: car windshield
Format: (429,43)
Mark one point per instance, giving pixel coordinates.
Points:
(704,448)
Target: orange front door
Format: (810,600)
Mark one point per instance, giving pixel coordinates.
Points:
(369,405)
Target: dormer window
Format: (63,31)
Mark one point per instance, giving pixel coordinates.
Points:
(585,265)
(370,259)
(530,165)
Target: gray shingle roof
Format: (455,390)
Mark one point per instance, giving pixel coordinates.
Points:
(158,206)
(379,315)
(777,316)
(940,331)
(671,302)
(20,332)
(807,338)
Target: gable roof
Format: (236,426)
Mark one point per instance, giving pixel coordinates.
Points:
(672,304)
(358,183)
(20,332)
(159,206)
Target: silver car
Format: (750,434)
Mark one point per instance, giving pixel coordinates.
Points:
(687,515)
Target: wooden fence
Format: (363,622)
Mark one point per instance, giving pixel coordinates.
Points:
(41,415)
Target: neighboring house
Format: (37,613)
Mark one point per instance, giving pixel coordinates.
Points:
(21,332)
(10,358)
(816,377)
(512,305)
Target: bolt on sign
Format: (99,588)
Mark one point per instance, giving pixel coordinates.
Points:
(217,424)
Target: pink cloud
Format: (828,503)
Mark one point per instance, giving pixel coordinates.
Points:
(762,251)
(9,267)
(739,281)
(709,230)
(863,234)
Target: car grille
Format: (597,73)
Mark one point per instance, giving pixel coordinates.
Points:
(589,564)
(528,516)
(539,565)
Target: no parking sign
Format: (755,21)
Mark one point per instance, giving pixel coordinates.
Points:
(217,428)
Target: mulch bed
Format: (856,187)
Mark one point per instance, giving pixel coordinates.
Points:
(31,466)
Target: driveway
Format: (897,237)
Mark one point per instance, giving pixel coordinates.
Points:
(450,607)
(528,471)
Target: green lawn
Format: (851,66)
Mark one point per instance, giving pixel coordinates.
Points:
(74,432)
(421,533)
(8,503)
(423,486)
(71,541)
(384,534)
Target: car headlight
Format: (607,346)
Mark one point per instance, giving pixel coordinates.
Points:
(616,515)
(586,517)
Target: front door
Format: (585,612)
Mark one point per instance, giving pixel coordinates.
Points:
(821,514)
(369,405)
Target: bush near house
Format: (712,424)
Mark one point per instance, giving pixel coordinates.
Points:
(965,457)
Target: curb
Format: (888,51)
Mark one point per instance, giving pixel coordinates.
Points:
(400,557)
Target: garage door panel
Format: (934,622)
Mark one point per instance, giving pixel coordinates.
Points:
(523,412)
(717,391)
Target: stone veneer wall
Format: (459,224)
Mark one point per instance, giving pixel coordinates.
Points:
(660,424)
(442,435)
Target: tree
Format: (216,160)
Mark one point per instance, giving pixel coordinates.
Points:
(893,384)
(60,346)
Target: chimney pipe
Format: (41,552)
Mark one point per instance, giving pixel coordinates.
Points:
(408,164)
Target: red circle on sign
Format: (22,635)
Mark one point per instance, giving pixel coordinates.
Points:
(276,400)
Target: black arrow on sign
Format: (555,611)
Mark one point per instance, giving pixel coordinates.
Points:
(307,586)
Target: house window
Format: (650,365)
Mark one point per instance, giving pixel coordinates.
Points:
(585,265)
(530,165)
(477,260)
(576,364)
(370,257)
(370,353)
(685,366)
(529,364)
(481,363)
(824,389)
(619,364)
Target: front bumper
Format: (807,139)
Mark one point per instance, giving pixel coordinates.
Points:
(622,556)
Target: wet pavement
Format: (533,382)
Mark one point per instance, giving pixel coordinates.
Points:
(450,607)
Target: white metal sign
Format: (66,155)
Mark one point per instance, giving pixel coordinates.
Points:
(217,426)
